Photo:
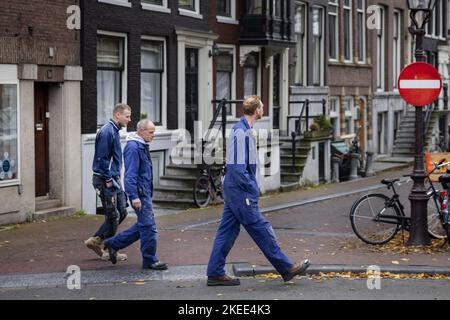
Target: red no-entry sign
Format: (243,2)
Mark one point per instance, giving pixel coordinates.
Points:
(419,84)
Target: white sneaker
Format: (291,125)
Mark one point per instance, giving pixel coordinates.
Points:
(120,256)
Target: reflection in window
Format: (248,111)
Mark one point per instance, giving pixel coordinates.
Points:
(187,4)
(333,29)
(151,79)
(224,8)
(317,45)
(224,79)
(254,7)
(8,132)
(110,66)
(251,75)
(300,48)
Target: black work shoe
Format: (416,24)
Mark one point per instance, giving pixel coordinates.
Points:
(223,281)
(112,254)
(158,265)
(297,269)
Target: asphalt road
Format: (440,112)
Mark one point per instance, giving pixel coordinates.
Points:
(250,289)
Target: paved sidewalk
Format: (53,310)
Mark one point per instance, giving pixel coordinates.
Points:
(317,228)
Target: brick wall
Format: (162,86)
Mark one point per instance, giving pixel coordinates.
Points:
(135,22)
(29,28)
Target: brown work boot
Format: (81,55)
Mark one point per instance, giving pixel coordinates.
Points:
(119,256)
(296,270)
(223,281)
(95,243)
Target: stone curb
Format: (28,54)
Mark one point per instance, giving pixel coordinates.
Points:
(247,270)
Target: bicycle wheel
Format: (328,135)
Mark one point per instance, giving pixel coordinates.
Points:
(435,228)
(202,191)
(363,214)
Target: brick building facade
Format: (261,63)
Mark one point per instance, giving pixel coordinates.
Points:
(40,78)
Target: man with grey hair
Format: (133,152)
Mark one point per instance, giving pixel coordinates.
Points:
(139,188)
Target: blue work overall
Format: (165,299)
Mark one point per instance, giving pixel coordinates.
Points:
(241,194)
(139,185)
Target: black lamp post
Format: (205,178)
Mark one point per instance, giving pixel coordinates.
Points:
(420,12)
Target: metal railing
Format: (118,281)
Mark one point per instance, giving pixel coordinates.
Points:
(304,114)
(220,110)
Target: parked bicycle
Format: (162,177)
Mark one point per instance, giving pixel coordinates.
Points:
(208,186)
(376,218)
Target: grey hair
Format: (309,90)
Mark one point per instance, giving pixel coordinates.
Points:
(143,124)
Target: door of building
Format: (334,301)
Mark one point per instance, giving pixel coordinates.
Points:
(191,89)
(41,139)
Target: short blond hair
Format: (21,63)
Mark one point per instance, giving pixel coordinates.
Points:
(120,108)
(251,104)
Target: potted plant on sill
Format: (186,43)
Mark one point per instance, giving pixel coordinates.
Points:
(321,127)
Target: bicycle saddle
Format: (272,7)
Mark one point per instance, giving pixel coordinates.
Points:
(389,181)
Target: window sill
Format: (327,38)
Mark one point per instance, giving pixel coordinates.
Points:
(190,14)
(116,3)
(227,20)
(153,7)
(12,183)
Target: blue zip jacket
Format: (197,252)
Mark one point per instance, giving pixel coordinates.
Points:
(108,152)
(241,160)
(138,169)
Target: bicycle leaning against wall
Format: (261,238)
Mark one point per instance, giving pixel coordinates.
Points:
(376,218)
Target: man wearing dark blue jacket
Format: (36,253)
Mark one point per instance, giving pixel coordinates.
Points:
(139,188)
(106,167)
(241,193)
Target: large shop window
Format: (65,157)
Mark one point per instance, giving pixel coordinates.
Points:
(152,68)
(8,134)
(110,67)
(224,83)
(251,75)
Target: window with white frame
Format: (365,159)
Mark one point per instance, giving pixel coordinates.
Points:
(348,107)
(348,34)
(155,5)
(381,45)
(224,77)
(224,8)
(435,27)
(333,16)
(361,27)
(9,144)
(334,115)
(397,46)
(251,75)
(190,8)
(318,61)
(124,3)
(152,71)
(226,11)
(110,69)
(300,48)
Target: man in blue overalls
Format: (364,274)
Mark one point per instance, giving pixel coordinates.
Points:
(139,188)
(106,166)
(241,194)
